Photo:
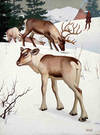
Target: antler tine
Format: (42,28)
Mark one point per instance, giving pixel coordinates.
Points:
(67,25)
(62,28)
(74,41)
(71,41)
(71,29)
(76,26)
(78,30)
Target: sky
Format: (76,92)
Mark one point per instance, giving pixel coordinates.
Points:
(51,4)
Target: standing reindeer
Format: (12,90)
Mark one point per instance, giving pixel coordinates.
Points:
(50,31)
(65,68)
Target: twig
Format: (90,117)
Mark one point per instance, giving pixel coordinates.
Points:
(11,105)
(10,94)
(2,86)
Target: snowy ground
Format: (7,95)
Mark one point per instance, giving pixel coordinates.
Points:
(28,119)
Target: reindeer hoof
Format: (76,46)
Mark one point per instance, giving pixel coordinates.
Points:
(83,119)
(61,108)
(43,109)
(73,114)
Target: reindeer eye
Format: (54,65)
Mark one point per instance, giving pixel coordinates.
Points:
(25,54)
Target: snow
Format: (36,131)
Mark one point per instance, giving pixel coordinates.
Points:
(63,14)
(27,118)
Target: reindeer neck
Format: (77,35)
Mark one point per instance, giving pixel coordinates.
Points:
(34,63)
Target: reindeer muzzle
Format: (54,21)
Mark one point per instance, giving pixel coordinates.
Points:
(62,48)
(18,63)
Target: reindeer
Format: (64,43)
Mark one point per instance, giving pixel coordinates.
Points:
(49,30)
(65,68)
(14,33)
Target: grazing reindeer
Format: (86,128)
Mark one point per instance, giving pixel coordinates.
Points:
(55,67)
(50,31)
(14,33)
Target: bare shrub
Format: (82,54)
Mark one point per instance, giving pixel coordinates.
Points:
(9,101)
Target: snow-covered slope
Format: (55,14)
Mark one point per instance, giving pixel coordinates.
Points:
(63,14)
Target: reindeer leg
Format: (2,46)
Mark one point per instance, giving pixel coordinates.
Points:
(43,90)
(47,35)
(24,35)
(54,45)
(84,115)
(78,96)
(74,109)
(70,80)
(32,34)
(31,38)
(23,40)
(50,44)
(55,90)
(15,40)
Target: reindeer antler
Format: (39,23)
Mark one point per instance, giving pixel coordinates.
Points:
(70,29)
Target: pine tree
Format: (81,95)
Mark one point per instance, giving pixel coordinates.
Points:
(4,9)
(92,6)
(35,9)
(8,17)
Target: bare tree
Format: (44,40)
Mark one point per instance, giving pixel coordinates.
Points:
(9,94)
(9,102)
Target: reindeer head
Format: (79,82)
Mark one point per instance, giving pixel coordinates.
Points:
(26,56)
(61,43)
(70,29)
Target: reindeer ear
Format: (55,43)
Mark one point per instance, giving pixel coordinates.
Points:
(35,51)
(21,49)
